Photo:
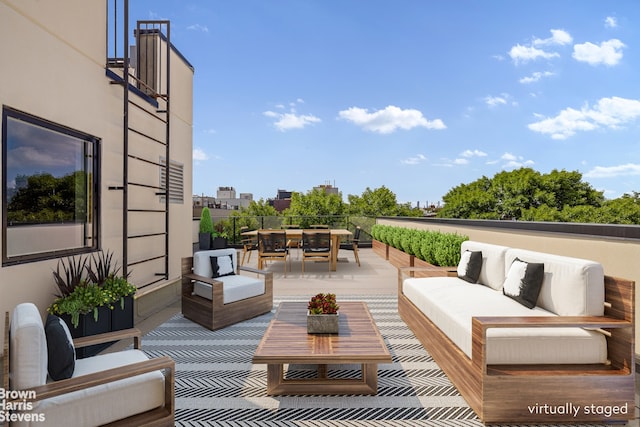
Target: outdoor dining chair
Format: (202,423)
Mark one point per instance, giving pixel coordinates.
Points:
(316,245)
(352,245)
(272,245)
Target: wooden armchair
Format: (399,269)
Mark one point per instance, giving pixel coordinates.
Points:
(121,388)
(222,301)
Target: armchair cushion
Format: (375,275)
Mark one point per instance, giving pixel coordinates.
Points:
(28,357)
(108,402)
(60,350)
(222,266)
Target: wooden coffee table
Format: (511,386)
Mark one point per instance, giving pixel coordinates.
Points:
(286,342)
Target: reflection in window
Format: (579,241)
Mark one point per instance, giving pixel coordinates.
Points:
(49,202)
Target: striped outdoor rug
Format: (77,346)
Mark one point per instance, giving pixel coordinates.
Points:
(217,385)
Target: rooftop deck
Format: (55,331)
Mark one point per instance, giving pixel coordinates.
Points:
(375,277)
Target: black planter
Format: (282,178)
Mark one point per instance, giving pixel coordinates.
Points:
(122,318)
(89,326)
(204,241)
(218,243)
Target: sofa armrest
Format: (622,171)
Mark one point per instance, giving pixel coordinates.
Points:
(480,325)
(70,385)
(134,333)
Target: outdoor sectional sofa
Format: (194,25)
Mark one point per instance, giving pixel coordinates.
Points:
(569,358)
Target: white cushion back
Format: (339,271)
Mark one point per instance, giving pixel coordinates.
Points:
(571,286)
(493,271)
(202,261)
(28,358)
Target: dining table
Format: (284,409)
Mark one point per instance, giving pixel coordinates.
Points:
(296,234)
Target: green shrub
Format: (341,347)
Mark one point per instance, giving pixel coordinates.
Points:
(447,252)
(206,224)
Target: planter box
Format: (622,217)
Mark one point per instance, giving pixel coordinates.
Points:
(218,243)
(322,323)
(204,241)
(432,270)
(382,249)
(122,318)
(398,258)
(89,326)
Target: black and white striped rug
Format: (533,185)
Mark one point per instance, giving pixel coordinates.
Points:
(217,385)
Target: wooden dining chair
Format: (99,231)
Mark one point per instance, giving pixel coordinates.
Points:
(272,245)
(249,244)
(316,245)
(352,245)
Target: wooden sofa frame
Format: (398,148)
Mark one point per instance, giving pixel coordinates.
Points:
(163,416)
(519,393)
(214,313)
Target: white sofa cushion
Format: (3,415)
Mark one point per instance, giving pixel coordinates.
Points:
(450,303)
(493,258)
(104,403)
(28,358)
(235,287)
(571,286)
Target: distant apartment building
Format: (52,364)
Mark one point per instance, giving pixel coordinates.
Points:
(109,126)
(282,200)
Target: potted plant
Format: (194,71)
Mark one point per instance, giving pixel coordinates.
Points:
(218,237)
(92,298)
(322,315)
(206,229)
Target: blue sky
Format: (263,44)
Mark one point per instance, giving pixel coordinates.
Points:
(416,95)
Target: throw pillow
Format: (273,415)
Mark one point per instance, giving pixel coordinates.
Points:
(60,350)
(470,265)
(222,266)
(524,281)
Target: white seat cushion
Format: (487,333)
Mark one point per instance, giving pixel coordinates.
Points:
(450,303)
(235,288)
(28,356)
(108,402)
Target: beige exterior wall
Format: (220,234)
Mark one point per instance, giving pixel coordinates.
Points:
(53,67)
(617,256)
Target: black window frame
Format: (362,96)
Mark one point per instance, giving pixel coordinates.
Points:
(93,210)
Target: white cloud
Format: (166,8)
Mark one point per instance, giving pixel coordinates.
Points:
(287,121)
(291,120)
(511,161)
(460,161)
(414,160)
(519,53)
(608,112)
(535,77)
(610,22)
(613,171)
(199,155)
(493,101)
(502,99)
(558,37)
(389,120)
(473,153)
(607,53)
(198,27)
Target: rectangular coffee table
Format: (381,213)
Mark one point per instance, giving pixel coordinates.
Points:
(286,341)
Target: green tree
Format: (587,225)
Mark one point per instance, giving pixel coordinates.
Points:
(379,202)
(315,207)
(523,194)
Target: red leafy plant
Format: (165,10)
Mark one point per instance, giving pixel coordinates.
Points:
(323,304)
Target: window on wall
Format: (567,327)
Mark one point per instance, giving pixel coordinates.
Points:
(50,189)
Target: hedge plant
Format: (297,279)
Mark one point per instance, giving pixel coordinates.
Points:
(434,247)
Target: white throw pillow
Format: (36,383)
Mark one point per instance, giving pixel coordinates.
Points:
(222,266)
(470,265)
(523,282)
